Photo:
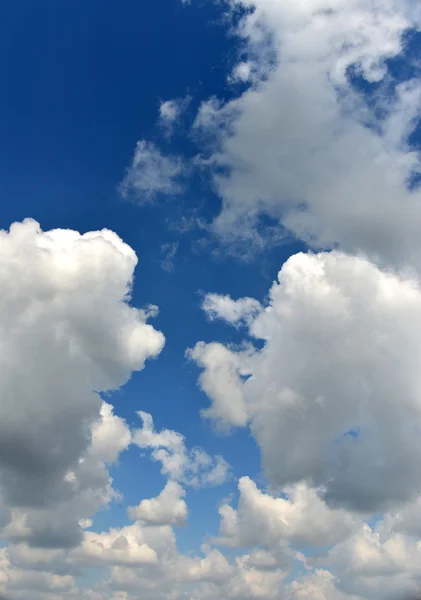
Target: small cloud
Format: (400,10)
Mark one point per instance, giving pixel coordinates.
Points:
(170,112)
(168,251)
(241,73)
(151,174)
(193,467)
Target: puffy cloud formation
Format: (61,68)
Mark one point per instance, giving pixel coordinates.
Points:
(302,145)
(168,508)
(192,467)
(221,379)
(263,520)
(67,332)
(126,547)
(369,567)
(335,389)
(151,174)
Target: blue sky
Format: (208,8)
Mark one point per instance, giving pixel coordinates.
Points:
(275,217)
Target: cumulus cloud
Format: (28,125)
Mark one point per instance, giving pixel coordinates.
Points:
(67,332)
(221,380)
(335,389)
(301,517)
(151,174)
(302,145)
(192,467)
(124,546)
(169,508)
(370,567)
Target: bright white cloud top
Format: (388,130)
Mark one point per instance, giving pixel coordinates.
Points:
(335,389)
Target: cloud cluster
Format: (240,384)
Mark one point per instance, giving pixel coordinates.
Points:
(335,388)
(264,520)
(303,145)
(192,467)
(67,332)
(330,390)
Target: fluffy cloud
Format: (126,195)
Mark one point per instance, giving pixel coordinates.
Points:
(263,520)
(192,467)
(206,576)
(335,389)
(371,568)
(168,508)
(151,174)
(126,547)
(303,146)
(221,380)
(235,312)
(67,332)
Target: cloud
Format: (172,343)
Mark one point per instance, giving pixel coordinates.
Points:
(125,547)
(169,251)
(68,332)
(151,174)
(334,390)
(171,111)
(263,520)
(303,146)
(373,568)
(168,508)
(192,467)
(221,380)
(235,312)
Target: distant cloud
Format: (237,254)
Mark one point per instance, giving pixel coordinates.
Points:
(235,312)
(151,174)
(170,112)
(192,467)
(169,508)
(168,251)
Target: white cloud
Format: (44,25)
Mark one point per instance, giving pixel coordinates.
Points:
(110,436)
(151,174)
(235,312)
(171,111)
(221,381)
(67,332)
(320,585)
(302,146)
(371,568)
(126,547)
(192,467)
(335,389)
(169,508)
(264,520)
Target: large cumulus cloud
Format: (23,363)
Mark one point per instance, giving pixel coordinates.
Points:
(333,397)
(67,332)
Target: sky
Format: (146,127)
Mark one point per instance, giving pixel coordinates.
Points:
(210,307)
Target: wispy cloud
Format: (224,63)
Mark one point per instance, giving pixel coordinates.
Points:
(151,174)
